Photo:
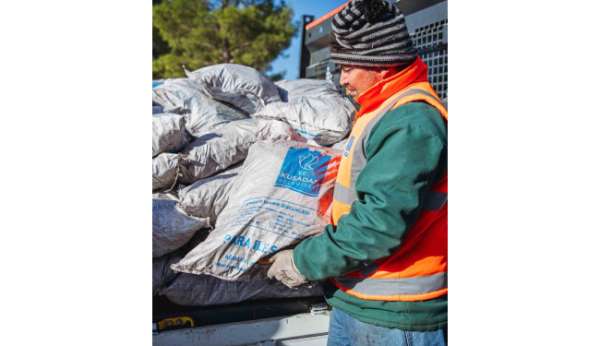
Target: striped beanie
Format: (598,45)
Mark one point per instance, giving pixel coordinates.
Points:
(371,33)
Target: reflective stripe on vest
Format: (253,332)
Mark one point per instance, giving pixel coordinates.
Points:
(390,278)
(433,200)
(393,287)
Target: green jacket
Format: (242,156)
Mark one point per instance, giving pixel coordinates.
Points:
(406,153)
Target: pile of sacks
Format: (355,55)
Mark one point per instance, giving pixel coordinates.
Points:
(242,167)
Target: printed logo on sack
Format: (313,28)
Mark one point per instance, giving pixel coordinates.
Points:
(302,171)
(308,161)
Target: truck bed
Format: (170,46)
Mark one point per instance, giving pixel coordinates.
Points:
(292,322)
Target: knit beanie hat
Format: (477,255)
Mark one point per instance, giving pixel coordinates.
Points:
(371,33)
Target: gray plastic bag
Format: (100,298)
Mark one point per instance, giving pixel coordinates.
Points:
(162,274)
(314,108)
(207,115)
(203,114)
(207,197)
(291,89)
(205,290)
(341,145)
(157,109)
(168,133)
(283,194)
(239,85)
(174,95)
(215,152)
(165,170)
(171,227)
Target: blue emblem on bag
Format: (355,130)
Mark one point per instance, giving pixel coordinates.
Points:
(303,170)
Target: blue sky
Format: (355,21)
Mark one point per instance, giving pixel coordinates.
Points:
(289,60)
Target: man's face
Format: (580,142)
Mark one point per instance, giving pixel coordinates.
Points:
(357,79)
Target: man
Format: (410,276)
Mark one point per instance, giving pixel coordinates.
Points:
(385,253)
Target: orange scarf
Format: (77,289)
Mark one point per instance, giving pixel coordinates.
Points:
(373,97)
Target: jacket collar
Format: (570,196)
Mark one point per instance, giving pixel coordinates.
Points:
(373,97)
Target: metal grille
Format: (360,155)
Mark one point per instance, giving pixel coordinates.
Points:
(431,42)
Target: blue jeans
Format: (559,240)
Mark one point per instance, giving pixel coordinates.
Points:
(345,330)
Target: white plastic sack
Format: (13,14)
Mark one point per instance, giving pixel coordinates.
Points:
(283,194)
(290,89)
(239,85)
(171,227)
(207,197)
(165,171)
(341,145)
(314,108)
(229,145)
(174,95)
(202,113)
(205,290)
(168,133)
(206,114)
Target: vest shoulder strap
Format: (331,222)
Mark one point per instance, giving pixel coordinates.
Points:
(418,92)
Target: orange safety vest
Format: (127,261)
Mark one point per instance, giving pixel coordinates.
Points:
(417,270)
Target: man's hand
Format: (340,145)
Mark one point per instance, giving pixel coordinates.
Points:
(283,269)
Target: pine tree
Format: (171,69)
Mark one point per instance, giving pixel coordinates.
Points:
(201,32)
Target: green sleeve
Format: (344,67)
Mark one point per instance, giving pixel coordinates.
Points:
(405,153)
